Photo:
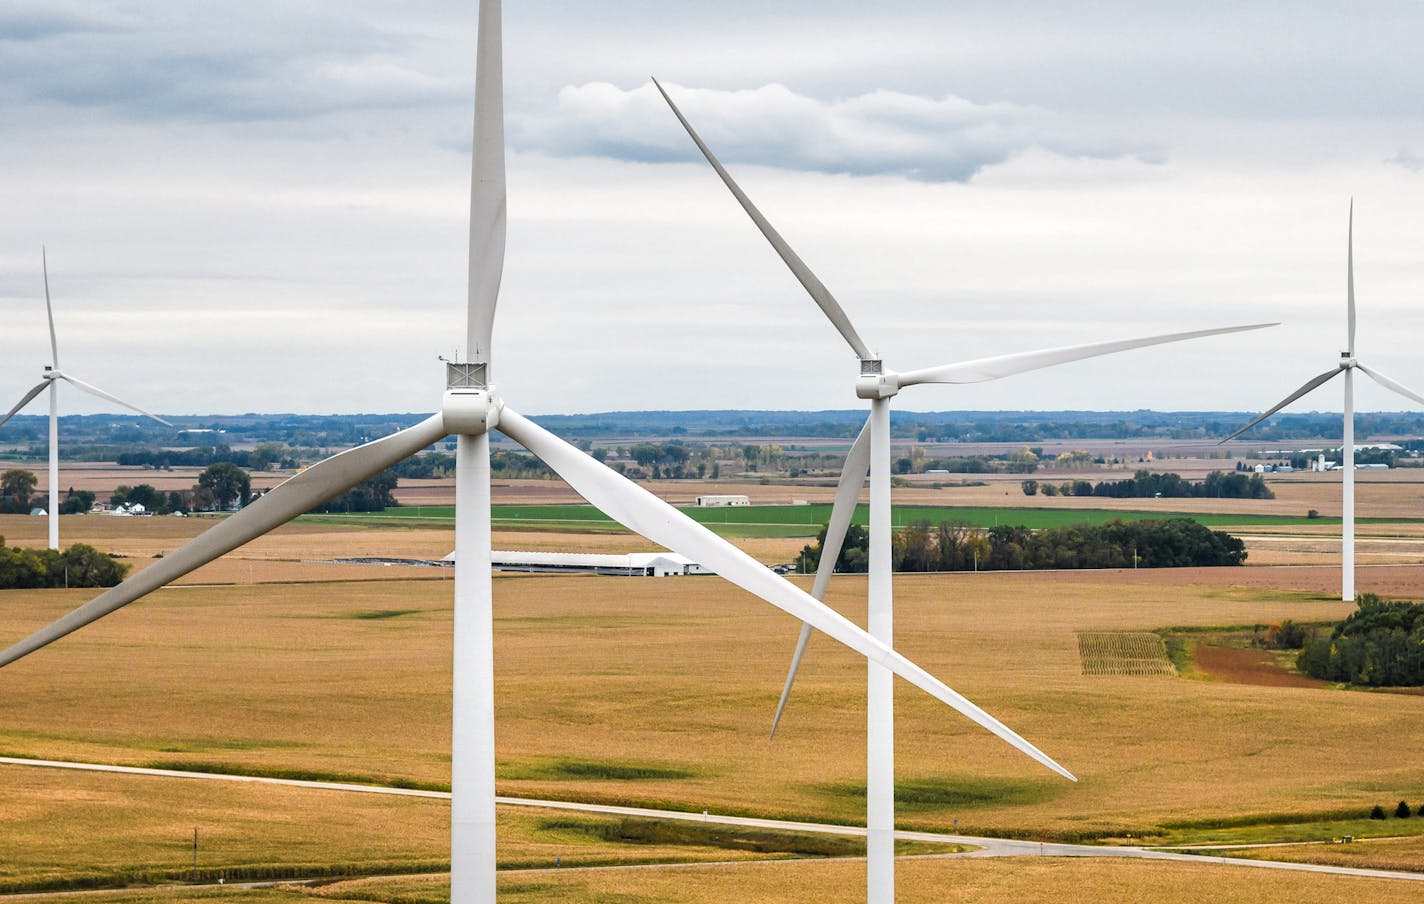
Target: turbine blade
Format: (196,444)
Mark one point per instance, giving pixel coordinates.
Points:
(636,508)
(29,397)
(49,309)
(983,369)
(487,188)
(94,390)
(295,496)
(1312,384)
(853,473)
(813,285)
(1375,375)
(1350,276)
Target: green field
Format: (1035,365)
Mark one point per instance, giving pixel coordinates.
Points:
(806,520)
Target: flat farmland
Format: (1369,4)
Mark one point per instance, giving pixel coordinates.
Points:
(660,693)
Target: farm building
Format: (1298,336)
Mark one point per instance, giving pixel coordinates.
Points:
(639,564)
(722,501)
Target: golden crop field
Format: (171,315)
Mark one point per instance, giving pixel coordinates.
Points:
(660,692)
(920,881)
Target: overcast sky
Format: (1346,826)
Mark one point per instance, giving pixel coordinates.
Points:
(263,206)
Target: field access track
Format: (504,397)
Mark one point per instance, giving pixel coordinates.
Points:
(987,847)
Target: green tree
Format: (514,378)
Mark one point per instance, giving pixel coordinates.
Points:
(76,502)
(1030,487)
(16,486)
(85,566)
(226,483)
(370,495)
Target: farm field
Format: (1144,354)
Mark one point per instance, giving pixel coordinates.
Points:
(806,520)
(660,693)
(928,880)
(274,661)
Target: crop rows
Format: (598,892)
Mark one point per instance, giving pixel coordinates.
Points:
(1123,653)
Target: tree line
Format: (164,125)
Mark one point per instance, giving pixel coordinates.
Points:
(1149,485)
(81,565)
(950,546)
(1381,644)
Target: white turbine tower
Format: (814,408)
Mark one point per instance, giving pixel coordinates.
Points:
(871,451)
(1348,364)
(52,376)
(471,407)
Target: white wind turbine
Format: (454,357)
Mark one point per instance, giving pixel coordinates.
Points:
(1348,364)
(52,376)
(871,451)
(470,408)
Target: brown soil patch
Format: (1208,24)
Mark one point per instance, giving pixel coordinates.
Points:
(1239,666)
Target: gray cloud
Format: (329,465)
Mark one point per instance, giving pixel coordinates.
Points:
(200,64)
(947,139)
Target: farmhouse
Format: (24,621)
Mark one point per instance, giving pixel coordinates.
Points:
(722,501)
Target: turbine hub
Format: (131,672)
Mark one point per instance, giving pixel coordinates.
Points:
(470,406)
(874,381)
(1348,361)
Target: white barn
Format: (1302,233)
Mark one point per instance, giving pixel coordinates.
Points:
(639,564)
(721,501)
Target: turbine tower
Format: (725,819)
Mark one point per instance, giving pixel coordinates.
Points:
(871,451)
(1347,366)
(50,381)
(471,407)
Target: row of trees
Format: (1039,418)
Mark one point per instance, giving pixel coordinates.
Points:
(1148,485)
(260,458)
(947,546)
(1381,644)
(80,565)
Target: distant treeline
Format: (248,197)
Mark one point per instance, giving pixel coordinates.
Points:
(1148,485)
(508,465)
(1166,543)
(370,495)
(80,565)
(1381,644)
(123,432)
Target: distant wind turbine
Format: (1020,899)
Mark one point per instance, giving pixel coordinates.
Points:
(871,451)
(1348,364)
(52,376)
(470,408)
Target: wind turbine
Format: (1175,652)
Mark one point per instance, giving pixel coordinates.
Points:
(871,450)
(1347,366)
(50,381)
(471,407)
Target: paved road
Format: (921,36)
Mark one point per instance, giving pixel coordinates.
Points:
(987,847)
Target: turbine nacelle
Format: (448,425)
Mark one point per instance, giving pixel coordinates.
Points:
(875,382)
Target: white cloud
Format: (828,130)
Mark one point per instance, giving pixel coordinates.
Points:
(880,132)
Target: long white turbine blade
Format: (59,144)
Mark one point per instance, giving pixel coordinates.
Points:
(29,397)
(487,188)
(1350,277)
(641,511)
(94,390)
(813,285)
(49,310)
(1375,375)
(293,497)
(996,368)
(1312,384)
(853,473)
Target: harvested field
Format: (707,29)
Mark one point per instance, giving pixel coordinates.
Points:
(1244,666)
(1123,653)
(1366,853)
(626,691)
(919,881)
